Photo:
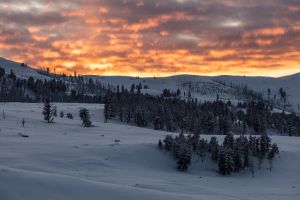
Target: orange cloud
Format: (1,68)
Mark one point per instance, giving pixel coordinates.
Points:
(153,38)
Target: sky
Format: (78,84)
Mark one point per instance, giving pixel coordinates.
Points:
(153,37)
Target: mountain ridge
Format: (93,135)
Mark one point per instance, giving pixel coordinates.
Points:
(2,59)
(204,88)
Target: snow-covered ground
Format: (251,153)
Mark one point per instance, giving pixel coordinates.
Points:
(65,161)
(20,71)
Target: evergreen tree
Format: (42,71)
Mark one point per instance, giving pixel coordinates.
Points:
(228,141)
(48,110)
(61,114)
(182,152)
(274,150)
(237,159)
(202,149)
(160,145)
(85,117)
(2,72)
(106,112)
(225,162)
(168,141)
(244,147)
(251,165)
(264,146)
(54,111)
(194,141)
(213,148)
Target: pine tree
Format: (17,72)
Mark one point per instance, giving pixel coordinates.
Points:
(225,162)
(202,149)
(48,110)
(274,150)
(228,141)
(237,159)
(245,150)
(264,145)
(194,141)
(54,111)
(160,144)
(184,156)
(106,112)
(61,114)
(168,141)
(251,165)
(85,117)
(213,148)
(252,145)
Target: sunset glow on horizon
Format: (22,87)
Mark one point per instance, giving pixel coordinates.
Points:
(152,37)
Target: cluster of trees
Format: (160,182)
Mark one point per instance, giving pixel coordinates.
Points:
(233,155)
(172,113)
(49,112)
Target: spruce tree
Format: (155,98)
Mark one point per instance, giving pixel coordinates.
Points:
(85,117)
(225,162)
(48,110)
(168,141)
(106,112)
(184,156)
(202,149)
(264,145)
(160,145)
(237,159)
(61,114)
(251,165)
(213,148)
(228,141)
(274,150)
(194,141)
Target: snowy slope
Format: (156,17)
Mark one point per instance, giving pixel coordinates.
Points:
(209,88)
(20,71)
(65,161)
(291,84)
(202,87)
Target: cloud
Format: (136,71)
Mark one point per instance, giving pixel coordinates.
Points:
(143,37)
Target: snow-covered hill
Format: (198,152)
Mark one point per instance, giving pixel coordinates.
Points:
(291,84)
(201,87)
(207,88)
(19,70)
(65,161)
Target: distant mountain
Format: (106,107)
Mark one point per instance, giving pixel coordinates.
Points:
(208,88)
(204,88)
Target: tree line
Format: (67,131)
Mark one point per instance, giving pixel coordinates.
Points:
(171,112)
(58,88)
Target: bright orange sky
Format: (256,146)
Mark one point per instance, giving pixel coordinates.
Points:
(152,37)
